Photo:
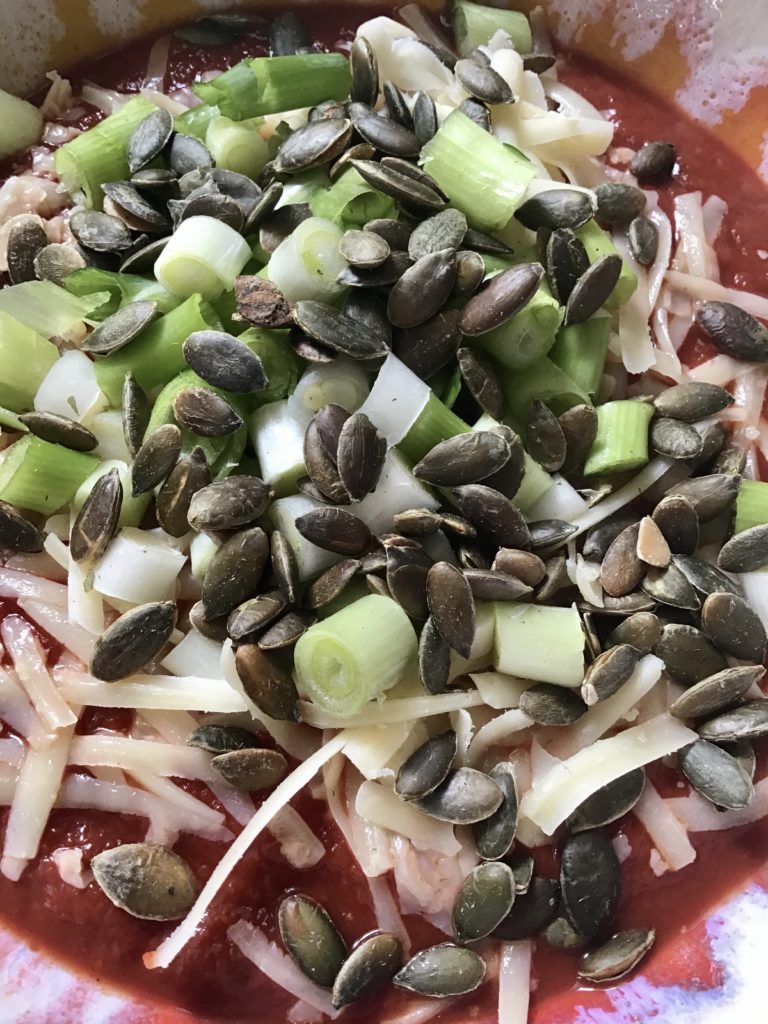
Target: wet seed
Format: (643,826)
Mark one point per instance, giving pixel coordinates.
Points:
(531,912)
(643,240)
(560,934)
(674,439)
(487,585)
(99,232)
(692,401)
(746,551)
(524,565)
(363,249)
(285,632)
(270,688)
(544,437)
(744,753)
(121,328)
(479,241)
(733,331)
(716,775)
(234,573)
(547,704)
(622,570)
(619,204)
(260,302)
(484,900)
(590,882)
(618,956)
(157,181)
(747,722)
(335,529)
(205,413)
(494,514)
(249,618)
(60,430)
(556,208)
(609,672)
(452,606)
(422,289)
(390,271)
(677,519)
(156,458)
(366,308)
(670,586)
(188,476)
(481,381)
(494,836)
(566,260)
(338,331)
(592,289)
(54,262)
(579,428)
(369,967)
(221,739)
(442,971)
(655,161)
(251,769)
(424,114)
(331,583)
(687,654)
(464,459)
(229,504)
(360,456)
(26,240)
(505,294)
(705,578)
(641,631)
(365,72)
(546,533)
(465,797)
(146,881)
(731,459)
(734,627)
(311,938)
(609,803)
(427,767)
(717,692)
(483,83)
(434,659)
(133,640)
(652,547)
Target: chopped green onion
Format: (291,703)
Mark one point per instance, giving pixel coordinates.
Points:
(435,423)
(132,508)
(156,355)
(351,201)
(622,437)
(538,642)
(47,308)
(307,263)
(599,243)
(21,124)
(751,505)
(339,382)
(195,121)
(40,476)
(121,288)
(235,147)
(233,91)
(580,351)
(356,655)
(203,256)
(11,421)
(277,437)
(475,24)
(528,335)
(489,187)
(446,384)
(280,362)
(26,357)
(397,399)
(543,380)
(100,154)
(536,482)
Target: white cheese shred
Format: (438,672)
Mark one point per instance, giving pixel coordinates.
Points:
(28,658)
(665,830)
(515,981)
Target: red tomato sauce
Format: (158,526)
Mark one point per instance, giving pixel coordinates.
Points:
(211,978)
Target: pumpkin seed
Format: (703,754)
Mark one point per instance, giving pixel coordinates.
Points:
(414,194)
(618,956)
(370,965)
(531,912)
(235,570)
(363,249)
(391,270)
(473,555)
(285,632)
(188,154)
(205,413)
(429,347)
(338,331)
(508,479)
(287,34)
(744,753)
(259,302)
(676,518)
(394,232)
(495,835)
(641,630)
(733,331)
(730,459)
(544,437)
(522,870)
(609,803)
(477,112)
(264,207)
(547,533)
(424,115)
(654,161)
(145,880)
(734,627)
(592,288)
(579,428)
(523,565)
(365,72)
(134,210)
(133,640)
(317,143)
(284,565)
(388,136)
(456,525)
(555,578)
(670,586)
(599,538)
(16,532)
(692,401)
(675,439)
(643,240)
(463,459)
(556,208)
(504,295)
(560,934)
(444,230)
(622,570)
(321,467)
(427,767)
(329,422)
(143,260)
(99,232)
(55,262)
(213,629)
(158,181)
(609,672)
(250,617)
(479,241)
(311,938)
(547,704)
(228,504)
(637,601)
(746,551)
(716,775)
(687,654)
(221,739)
(484,900)
(155,458)
(335,529)
(434,659)
(470,272)
(717,692)
(424,287)
(366,308)
(487,585)
(481,381)
(251,769)
(466,796)
(493,513)
(705,578)
(270,688)
(483,83)
(189,475)
(396,105)
(60,430)
(619,204)
(408,586)
(120,328)
(331,583)
(442,971)
(652,547)
(26,240)
(452,606)
(566,260)
(590,882)
(417,522)
(360,456)
(747,722)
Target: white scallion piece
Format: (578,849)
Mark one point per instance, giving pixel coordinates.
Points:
(515,981)
(524,642)
(195,655)
(705,290)
(665,831)
(397,490)
(162,693)
(307,263)
(560,501)
(604,509)
(370,843)
(383,807)
(29,661)
(277,436)
(568,784)
(69,864)
(138,566)
(70,389)
(56,623)
(340,382)
(204,256)
(84,606)
(396,401)
(311,559)
(108,428)
(406,709)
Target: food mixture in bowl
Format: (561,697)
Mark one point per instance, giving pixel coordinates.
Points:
(383,591)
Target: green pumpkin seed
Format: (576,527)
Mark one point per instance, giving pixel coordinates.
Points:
(221,739)
(705,578)
(481,381)
(747,722)
(311,938)
(224,362)
(251,769)
(523,871)
(365,72)
(284,565)
(655,161)
(417,522)
(188,476)
(547,704)
(363,249)
(396,105)
(717,692)
(494,514)
(524,565)
(96,522)
(205,413)
(618,956)
(229,504)
(434,659)
(652,547)
(592,289)
(16,532)
(465,797)
(270,688)
(321,466)
(733,331)
(60,430)
(99,232)
(609,803)
(555,579)
(590,882)
(670,586)
(495,835)
(746,551)
(424,113)
(477,112)
(557,208)
(26,240)
(566,260)
(621,569)
(317,143)
(464,459)
(121,328)
(338,331)
(484,900)
(641,630)
(146,881)
(136,212)
(716,775)
(487,585)
(285,632)
(427,767)
(675,439)
(55,262)
(133,640)
(544,437)
(531,912)
(609,672)
(676,517)
(442,971)
(287,34)
(504,295)
(619,204)
(687,654)
(734,627)
(234,573)
(331,583)
(414,194)
(643,241)
(483,83)
(421,291)
(188,154)
(335,529)
(370,966)
(249,618)
(692,401)
(360,456)
(213,629)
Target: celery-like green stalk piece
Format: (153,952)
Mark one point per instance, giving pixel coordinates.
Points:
(528,335)
(543,380)
(474,24)
(351,201)
(133,506)
(40,476)
(580,351)
(122,288)
(26,357)
(599,243)
(280,362)
(539,642)
(435,423)
(751,505)
(236,147)
(622,437)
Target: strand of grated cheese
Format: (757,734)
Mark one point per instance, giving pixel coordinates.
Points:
(17,711)
(29,661)
(667,834)
(56,623)
(515,981)
(161,693)
(388,712)
(134,755)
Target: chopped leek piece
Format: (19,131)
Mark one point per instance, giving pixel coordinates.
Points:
(340,382)
(100,154)
(195,121)
(47,308)
(233,91)
(545,381)
(599,243)
(26,357)
(120,288)
(351,201)
(21,124)
(528,335)
(356,655)
(751,505)
(539,642)
(280,362)
(11,421)
(203,256)
(70,388)
(397,399)
(489,187)
(40,476)
(580,351)
(277,437)
(475,24)
(622,437)
(236,147)
(298,80)
(307,263)
(536,483)
(132,508)
(435,423)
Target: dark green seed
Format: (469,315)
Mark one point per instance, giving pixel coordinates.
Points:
(221,739)
(641,630)
(311,938)
(733,331)
(560,934)
(365,72)
(464,459)
(422,289)
(121,328)
(145,880)
(425,123)
(434,659)
(137,213)
(213,629)
(251,769)
(407,584)
(609,672)
(188,476)
(26,240)
(734,627)
(331,583)
(531,912)
(430,346)
(414,194)
(479,241)
(60,430)
(676,517)
(643,240)
(321,467)
(367,309)
(547,704)
(271,689)
(264,206)
(590,882)
(417,522)
(557,208)
(484,900)
(99,232)
(229,504)
(655,161)
(442,971)
(360,456)
(234,573)
(609,803)
(592,289)
(544,437)
(134,639)
(744,752)
(747,722)
(705,578)
(670,586)
(338,331)
(317,143)
(674,439)
(618,204)
(692,401)
(746,551)
(522,869)
(465,797)
(618,956)
(555,579)
(470,272)
(579,427)
(505,294)
(143,260)
(457,526)
(546,533)
(599,538)
(205,413)
(16,532)
(370,966)
(427,767)
(687,654)
(716,775)
(566,260)
(284,565)
(717,692)
(495,835)
(451,606)
(156,458)
(279,224)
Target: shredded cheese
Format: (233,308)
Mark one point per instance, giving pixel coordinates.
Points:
(515,981)
(22,585)
(407,709)
(162,693)
(380,805)
(56,623)
(504,730)
(699,815)
(499,691)
(665,830)
(17,711)
(142,756)
(29,660)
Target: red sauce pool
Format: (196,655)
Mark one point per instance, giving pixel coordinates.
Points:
(211,979)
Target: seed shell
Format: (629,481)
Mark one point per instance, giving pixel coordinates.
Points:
(452,606)
(687,654)
(482,82)
(96,522)
(422,289)
(547,704)
(188,476)
(363,249)
(484,900)
(427,767)
(338,331)
(641,630)
(99,232)
(544,437)
(229,504)
(531,912)
(331,583)
(286,631)
(251,769)
(705,578)
(56,261)
(434,659)
(61,430)
(121,328)
(654,161)
(270,688)
(730,459)
(566,260)
(311,938)
(716,775)
(505,294)
(481,381)
(590,882)
(652,547)
(425,123)
(750,721)
(335,529)
(416,195)
(670,586)
(360,456)
(365,72)
(133,640)
(618,204)
(205,413)
(247,620)
(442,971)
(224,362)
(710,495)
(493,513)
(599,538)
(221,739)
(234,573)
(213,629)
(609,803)
(746,551)
(734,627)
(609,672)
(26,240)
(677,519)
(146,881)
(444,230)
(692,401)
(317,143)
(370,966)
(617,957)
(397,106)
(560,934)
(592,289)
(488,585)
(287,34)
(524,565)
(557,208)
(674,439)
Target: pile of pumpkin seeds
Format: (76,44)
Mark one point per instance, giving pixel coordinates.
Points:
(415,288)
